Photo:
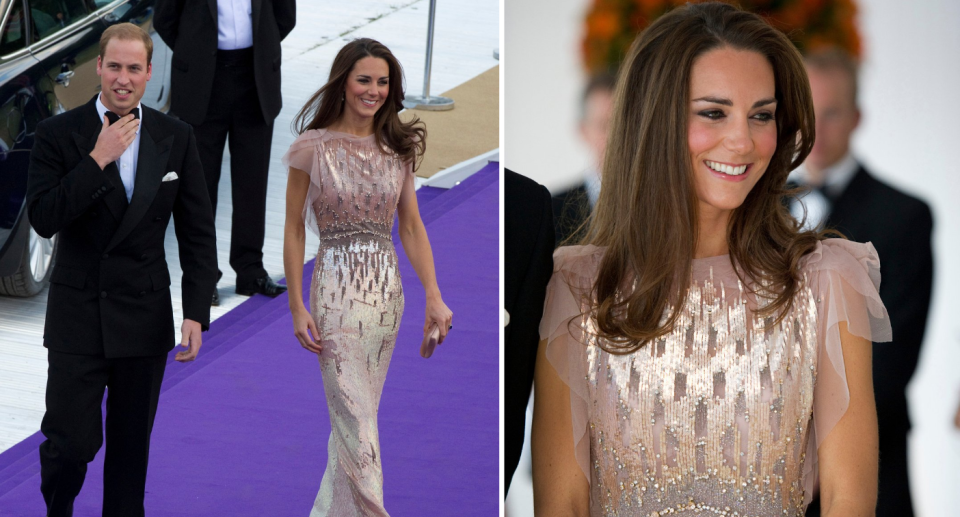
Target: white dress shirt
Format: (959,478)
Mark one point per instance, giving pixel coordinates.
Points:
(234,24)
(835,181)
(127,164)
(591,182)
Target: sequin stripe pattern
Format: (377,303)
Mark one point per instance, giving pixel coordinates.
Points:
(712,419)
(359,187)
(357,303)
(354,282)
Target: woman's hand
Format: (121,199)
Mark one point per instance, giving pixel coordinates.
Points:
(437,312)
(306,329)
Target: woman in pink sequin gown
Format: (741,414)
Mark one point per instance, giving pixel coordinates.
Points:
(700,354)
(351,170)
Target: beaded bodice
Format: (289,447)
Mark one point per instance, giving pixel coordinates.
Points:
(358,187)
(712,419)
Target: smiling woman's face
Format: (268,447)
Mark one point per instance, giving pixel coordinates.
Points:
(732,130)
(368,85)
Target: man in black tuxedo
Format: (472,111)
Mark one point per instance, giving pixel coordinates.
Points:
(528,264)
(846,197)
(108,184)
(571,207)
(225,80)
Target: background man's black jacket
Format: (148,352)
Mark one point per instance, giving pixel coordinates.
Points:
(528,265)
(900,227)
(190,29)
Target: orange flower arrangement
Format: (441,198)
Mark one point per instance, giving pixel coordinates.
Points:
(611,25)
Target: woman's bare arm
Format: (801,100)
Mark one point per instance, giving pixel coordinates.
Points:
(294,238)
(848,456)
(416,244)
(559,485)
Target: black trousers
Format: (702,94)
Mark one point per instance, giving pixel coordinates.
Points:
(72,425)
(234,112)
(893,491)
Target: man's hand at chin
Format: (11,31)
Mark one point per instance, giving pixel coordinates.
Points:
(191,340)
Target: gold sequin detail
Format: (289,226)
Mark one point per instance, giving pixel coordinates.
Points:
(712,419)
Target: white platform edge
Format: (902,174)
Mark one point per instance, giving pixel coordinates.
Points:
(453,175)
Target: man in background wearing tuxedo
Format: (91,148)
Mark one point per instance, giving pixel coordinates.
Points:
(225,81)
(528,265)
(573,206)
(844,196)
(106,177)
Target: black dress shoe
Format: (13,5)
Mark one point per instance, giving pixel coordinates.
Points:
(215,301)
(263,285)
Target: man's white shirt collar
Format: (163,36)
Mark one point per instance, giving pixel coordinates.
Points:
(591,183)
(835,177)
(812,207)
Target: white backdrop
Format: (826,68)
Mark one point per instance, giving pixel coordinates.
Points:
(910,128)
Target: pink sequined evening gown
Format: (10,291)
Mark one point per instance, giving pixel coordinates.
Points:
(356,299)
(724,415)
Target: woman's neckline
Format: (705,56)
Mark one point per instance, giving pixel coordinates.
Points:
(715,257)
(350,135)
(705,263)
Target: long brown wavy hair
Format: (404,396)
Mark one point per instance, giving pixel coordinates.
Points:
(648,174)
(408,139)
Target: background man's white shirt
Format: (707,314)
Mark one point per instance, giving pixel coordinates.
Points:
(234,24)
(835,181)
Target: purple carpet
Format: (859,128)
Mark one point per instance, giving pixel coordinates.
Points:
(243,430)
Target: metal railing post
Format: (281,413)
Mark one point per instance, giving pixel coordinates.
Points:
(425,101)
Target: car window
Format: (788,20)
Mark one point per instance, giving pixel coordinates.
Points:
(49,16)
(14,37)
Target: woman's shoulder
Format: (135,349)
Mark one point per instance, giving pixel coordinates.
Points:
(309,137)
(848,258)
(301,153)
(314,134)
(578,261)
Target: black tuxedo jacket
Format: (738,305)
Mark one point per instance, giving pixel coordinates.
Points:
(900,227)
(190,29)
(110,289)
(570,209)
(528,264)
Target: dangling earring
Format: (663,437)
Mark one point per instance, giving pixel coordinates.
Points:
(343,97)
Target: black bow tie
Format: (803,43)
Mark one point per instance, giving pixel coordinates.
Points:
(113,117)
(825,192)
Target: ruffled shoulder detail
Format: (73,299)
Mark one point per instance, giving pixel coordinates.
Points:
(850,259)
(303,151)
(566,302)
(574,271)
(845,278)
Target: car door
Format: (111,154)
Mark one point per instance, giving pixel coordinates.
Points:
(66,41)
(22,107)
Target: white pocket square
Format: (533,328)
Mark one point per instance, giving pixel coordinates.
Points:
(170,176)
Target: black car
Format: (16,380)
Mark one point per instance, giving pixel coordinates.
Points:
(48,65)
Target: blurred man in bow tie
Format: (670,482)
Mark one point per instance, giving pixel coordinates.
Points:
(843,195)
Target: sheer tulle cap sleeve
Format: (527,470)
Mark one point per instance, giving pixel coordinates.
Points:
(575,269)
(846,278)
(303,154)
